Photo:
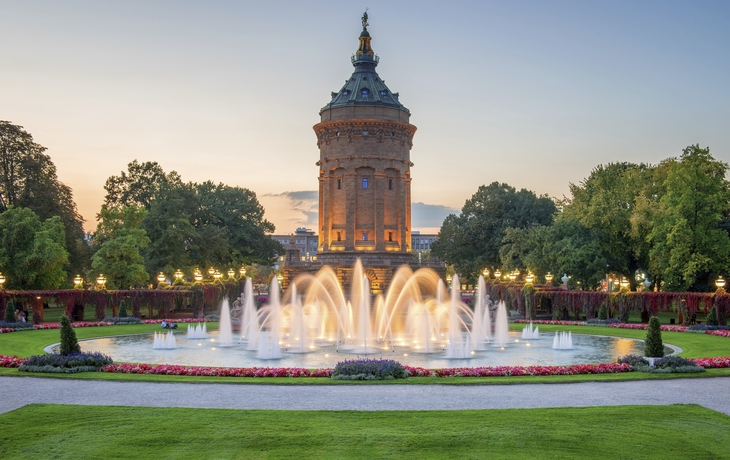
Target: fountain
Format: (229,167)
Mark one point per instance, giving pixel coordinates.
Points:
(529,333)
(563,341)
(225,328)
(197,332)
(164,341)
(501,328)
(480,328)
(269,346)
(250,319)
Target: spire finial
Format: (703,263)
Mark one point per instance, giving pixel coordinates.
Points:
(365,19)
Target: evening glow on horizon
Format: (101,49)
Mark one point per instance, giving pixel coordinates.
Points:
(533,94)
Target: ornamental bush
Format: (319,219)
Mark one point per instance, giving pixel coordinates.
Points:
(123,309)
(635,361)
(122,320)
(16,325)
(653,346)
(10,312)
(603,312)
(369,369)
(65,364)
(711,319)
(69,342)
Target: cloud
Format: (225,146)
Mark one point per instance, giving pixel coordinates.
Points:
(300,207)
(429,215)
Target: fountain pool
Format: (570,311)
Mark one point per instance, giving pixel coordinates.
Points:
(517,352)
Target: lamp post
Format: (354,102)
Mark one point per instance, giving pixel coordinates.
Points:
(512,277)
(2,281)
(448,280)
(280,279)
(217,275)
(78,282)
(161,278)
(624,283)
(242,271)
(231,273)
(529,278)
(179,275)
(485,273)
(720,283)
(549,278)
(211,272)
(198,276)
(101,281)
(497,275)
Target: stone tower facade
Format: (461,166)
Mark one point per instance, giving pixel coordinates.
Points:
(365,140)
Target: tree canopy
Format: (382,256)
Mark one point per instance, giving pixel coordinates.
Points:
(32,253)
(28,179)
(471,241)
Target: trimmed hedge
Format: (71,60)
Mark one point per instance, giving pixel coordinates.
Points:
(369,369)
(66,364)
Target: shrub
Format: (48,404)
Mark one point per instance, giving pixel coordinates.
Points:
(603,312)
(16,325)
(369,369)
(635,361)
(123,309)
(653,346)
(711,319)
(674,364)
(122,320)
(10,312)
(66,364)
(602,322)
(69,342)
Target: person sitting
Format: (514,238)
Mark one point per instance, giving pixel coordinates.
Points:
(164,325)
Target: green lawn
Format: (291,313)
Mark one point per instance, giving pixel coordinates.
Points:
(666,432)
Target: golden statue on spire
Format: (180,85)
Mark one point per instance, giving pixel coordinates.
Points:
(365,20)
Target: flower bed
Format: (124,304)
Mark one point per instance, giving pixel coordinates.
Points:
(497,371)
(554,322)
(170,369)
(503,371)
(718,333)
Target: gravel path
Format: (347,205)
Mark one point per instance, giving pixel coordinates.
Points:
(708,392)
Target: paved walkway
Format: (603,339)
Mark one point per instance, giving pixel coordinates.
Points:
(709,392)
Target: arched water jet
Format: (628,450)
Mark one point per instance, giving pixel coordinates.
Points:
(269,346)
(225,328)
(501,327)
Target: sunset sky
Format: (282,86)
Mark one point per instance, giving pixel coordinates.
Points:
(534,94)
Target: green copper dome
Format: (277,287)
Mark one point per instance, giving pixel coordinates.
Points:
(365,87)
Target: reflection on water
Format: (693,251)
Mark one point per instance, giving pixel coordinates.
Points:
(205,352)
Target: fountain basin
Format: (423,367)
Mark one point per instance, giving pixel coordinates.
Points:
(587,349)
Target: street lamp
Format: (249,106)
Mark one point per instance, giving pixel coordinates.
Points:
(485,272)
(242,271)
(529,278)
(280,279)
(549,278)
(198,276)
(211,272)
(448,280)
(217,275)
(101,281)
(497,274)
(179,275)
(78,282)
(161,278)
(512,276)
(2,281)
(231,273)
(624,282)
(720,282)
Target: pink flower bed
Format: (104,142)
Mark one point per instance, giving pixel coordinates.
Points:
(169,369)
(11,361)
(555,322)
(646,326)
(713,363)
(181,320)
(503,371)
(719,333)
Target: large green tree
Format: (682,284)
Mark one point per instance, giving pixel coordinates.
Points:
(689,245)
(120,239)
(32,253)
(28,179)
(472,240)
(606,203)
(139,185)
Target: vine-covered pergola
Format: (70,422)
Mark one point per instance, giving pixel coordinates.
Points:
(203,298)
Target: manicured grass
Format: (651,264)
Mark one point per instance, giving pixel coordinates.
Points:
(666,432)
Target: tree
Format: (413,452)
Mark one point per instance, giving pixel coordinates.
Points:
(120,240)
(138,186)
(32,253)
(605,202)
(28,179)
(689,246)
(10,312)
(69,342)
(471,241)
(653,346)
(566,246)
